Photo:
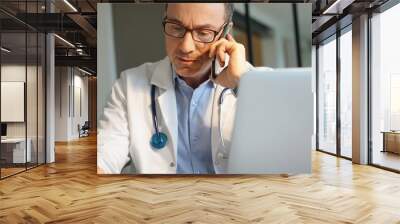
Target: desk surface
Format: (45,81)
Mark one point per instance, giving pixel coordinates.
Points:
(13,140)
(390,132)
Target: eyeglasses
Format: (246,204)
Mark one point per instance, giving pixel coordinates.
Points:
(176,30)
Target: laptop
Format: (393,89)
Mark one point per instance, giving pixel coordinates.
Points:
(273,123)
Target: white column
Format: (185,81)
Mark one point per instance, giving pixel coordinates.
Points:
(314,91)
(50,100)
(360,90)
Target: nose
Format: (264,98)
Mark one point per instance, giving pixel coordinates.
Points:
(187,45)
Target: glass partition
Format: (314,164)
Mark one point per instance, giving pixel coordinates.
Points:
(13,105)
(22,88)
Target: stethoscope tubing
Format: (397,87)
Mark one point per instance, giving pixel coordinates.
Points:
(155,120)
(153,108)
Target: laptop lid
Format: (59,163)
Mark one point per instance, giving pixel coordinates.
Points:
(273,123)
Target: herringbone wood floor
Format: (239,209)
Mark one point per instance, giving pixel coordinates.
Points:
(70,191)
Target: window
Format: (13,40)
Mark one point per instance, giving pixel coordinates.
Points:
(346,93)
(385,89)
(327,96)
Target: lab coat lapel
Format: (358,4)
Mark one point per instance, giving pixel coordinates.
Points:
(162,78)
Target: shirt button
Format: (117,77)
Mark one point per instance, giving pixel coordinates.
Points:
(172,164)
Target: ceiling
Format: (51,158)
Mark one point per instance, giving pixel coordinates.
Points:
(76,22)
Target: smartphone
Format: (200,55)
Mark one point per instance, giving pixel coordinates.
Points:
(215,65)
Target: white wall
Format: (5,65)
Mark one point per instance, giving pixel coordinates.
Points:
(62,81)
(80,84)
(33,126)
(15,72)
(106,59)
(124,42)
(69,82)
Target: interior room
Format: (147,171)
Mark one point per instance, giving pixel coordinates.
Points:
(52,96)
(22,100)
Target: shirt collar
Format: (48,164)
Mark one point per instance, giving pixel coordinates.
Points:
(178,81)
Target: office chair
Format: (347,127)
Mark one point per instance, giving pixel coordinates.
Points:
(84,130)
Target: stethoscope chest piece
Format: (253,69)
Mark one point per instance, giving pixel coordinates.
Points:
(158,140)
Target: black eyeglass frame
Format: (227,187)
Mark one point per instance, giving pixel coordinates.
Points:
(165,21)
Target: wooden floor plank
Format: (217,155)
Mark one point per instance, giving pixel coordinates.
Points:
(70,191)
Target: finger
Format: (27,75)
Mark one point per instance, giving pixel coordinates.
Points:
(230,37)
(221,54)
(227,47)
(214,46)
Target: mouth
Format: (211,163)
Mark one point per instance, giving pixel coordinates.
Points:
(185,60)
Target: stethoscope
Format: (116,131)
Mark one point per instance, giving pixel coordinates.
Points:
(159,139)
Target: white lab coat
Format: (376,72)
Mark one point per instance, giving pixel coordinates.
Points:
(126,126)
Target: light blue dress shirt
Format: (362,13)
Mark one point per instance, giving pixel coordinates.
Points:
(194,136)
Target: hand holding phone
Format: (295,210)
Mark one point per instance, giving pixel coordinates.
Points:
(215,66)
(236,64)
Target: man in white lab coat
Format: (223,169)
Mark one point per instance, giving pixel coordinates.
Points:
(188,109)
